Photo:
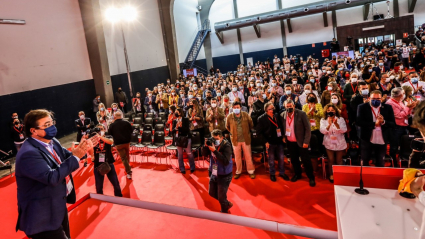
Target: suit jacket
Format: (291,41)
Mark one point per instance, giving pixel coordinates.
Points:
(121,97)
(302,127)
(379,71)
(216,117)
(365,121)
(80,127)
(153,103)
(41,186)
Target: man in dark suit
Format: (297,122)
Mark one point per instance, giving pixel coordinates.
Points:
(297,134)
(381,68)
(375,119)
(43,178)
(150,103)
(121,99)
(82,124)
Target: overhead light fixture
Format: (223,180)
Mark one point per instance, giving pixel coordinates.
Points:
(373,28)
(127,13)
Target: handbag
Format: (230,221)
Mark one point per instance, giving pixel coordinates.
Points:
(104,168)
(182,141)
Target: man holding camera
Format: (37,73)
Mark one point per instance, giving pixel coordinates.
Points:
(219,150)
(104,162)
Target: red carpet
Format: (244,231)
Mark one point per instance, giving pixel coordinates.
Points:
(293,203)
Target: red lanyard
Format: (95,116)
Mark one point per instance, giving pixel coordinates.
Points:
(101,146)
(272,120)
(55,156)
(19,131)
(379,111)
(236,95)
(290,121)
(312,112)
(413,86)
(383,86)
(354,90)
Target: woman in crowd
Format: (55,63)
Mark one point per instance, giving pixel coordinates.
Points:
(307,90)
(183,140)
(196,118)
(314,112)
(331,89)
(333,127)
(103,116)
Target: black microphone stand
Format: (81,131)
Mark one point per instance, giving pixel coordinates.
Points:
(361,190)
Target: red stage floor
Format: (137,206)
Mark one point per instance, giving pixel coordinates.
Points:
(286,202)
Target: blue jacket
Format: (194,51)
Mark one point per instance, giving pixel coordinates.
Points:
(223,158)
(41,186)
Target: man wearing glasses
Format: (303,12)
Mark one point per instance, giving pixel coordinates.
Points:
(44,180)
(270,126)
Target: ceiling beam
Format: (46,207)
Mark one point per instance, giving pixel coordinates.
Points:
(257,30)
(325,19)
(288,21)
(366,9)
(220,37)
(411,5)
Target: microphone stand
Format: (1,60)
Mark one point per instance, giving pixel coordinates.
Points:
(361,190)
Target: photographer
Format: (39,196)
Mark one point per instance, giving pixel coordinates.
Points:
(18,134)
(219,150)
(104,162)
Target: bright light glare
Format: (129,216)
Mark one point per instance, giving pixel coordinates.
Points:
(127,13)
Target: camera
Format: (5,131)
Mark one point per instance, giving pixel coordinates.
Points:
(209,141)
(92,132)
(418,144)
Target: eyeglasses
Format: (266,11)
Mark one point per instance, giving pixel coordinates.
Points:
(47,124)
(270,109)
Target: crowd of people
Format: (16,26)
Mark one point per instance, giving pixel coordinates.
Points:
(420,34)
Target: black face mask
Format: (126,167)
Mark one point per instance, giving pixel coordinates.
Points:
(330,114)
(119,90)
(190,106)
(209,98)
(311,99)
(16,123)
(290,110)
(176,114)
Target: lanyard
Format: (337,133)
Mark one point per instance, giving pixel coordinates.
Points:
(101,146)
(19,131)
(55,156)
(413,86)
(354,90)
(272,120)
(235,95)
(383,86)
(291,119)
(309,108)
(376,115)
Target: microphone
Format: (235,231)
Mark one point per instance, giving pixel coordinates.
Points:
(361,190)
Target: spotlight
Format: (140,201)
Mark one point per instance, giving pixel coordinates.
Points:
(128,13)
(347,1)
(306,9)
(113,14)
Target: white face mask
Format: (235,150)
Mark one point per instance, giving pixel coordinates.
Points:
(353,80)
(329,72)
(307,92)
(213,105)
(387,80)
(102,133)
(334,101)
(294,82)
(288,92)
(329,87)
(82,117)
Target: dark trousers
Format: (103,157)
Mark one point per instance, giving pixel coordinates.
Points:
(61,233)
(113,178)
(395,139)
(124,151)
(275,152)
(366,150)
(295,152)
(218,189)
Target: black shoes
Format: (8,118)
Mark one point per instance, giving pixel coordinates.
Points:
(295,178)
(192,170)
(183,172)
(85,164)
(273,178)
(312,183)
(284,176)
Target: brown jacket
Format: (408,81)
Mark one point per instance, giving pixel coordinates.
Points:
(218,116)
(164,99)
(247,126)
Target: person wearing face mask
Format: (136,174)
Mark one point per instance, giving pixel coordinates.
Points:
(362,96)
(150,103)
(172,117)
(376,122)
(333,127)
(162,100)
(298,88)
(369,75)
(114,108)
(350,89)
(83,124)
(17,133)
(314,112)
(258,106)
(181,133)
(215,116)
(275,89)
(96,102)
(102,154)
(121,99)
(183,101)
(220,169)
(332,88)
(103,116)
(173,99)
(307,90)
(235,93)
(44,180)
(226,106)
(289,95)
(402,113)
(296,128)
(196,118)
(418,86)
(240,124)
(381,68)
(137,104)
(385,86)
(325,78)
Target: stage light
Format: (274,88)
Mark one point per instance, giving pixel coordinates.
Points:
(128,13)
(113,14)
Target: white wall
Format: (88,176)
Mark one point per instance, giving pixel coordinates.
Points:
(271,37)
(186,26)
(145,44)
(222,10)
(49,50)
(294,3)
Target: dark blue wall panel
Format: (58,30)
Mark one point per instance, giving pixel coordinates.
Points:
(307,50)
(226,63)
(263,55)
(141,79)
(64,100)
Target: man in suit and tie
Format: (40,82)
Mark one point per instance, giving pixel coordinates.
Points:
(296,132)
(381,68)
(43,178)
(82,124)
(377,120)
